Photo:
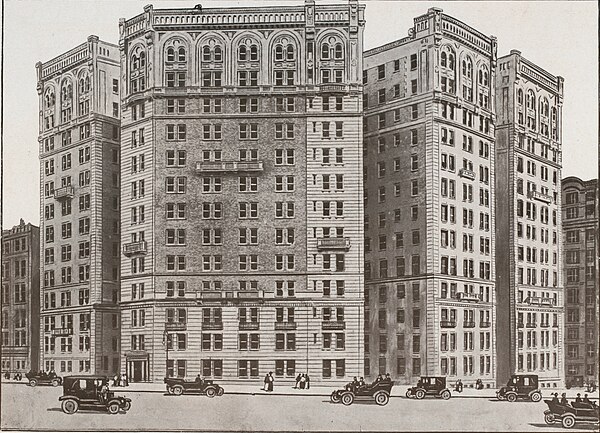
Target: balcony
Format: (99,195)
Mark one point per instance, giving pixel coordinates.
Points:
(249,294)
(212,326)
(249,326)
(333,87)
(448,324)
(466,173)
(327,325)
(549,302)
(468,297)
(228,166)
(134,248)
(537,300)
(468,324)
(285,326)
(209,295)
(536,195)
(175,326)
(62,332)
(485,324)
(333,244)
(64,192)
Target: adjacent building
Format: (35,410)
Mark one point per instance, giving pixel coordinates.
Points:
(242,192)
(528,221)
(79,209)
(580,236)
(20,298)
(429,203)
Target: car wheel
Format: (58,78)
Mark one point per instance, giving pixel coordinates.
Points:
(536,397)
(113,408)
(549,418)
(210,392)
(334,397)
(69,406)
(347,398)
(55,382)
(126,406)
(177,390)
(382,398)
(446,394)
(568,421)
(408,393)
(170,390)
(220,392)
(420,394)
(32,382)
(511,397)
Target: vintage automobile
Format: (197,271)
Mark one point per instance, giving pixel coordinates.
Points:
(569,415)
(91,393)
(178,386)
(429,385)
(523,386)
(35,379)
(379,390)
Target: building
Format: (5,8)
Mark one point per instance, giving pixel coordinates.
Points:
(429,203)
(242,192)
(580,237)
(528,221)
(79,209)
(20,298)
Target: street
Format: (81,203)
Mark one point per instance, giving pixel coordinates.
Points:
(25,408)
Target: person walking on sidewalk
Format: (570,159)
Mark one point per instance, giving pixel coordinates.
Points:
(297,381)
(271,380)
(307,381)
(266,383)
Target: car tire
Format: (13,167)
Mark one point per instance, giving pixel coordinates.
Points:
(126,406)
(33,382)
(113,407)
(536,397)
(381,398)
(70,406)
(347,398)
(568,421)
(170,390)
(210,392)
(511,397)
(446,394)
(420,394)
(55,382)
(220,392)
(335,397)
(549,418)
(177,390)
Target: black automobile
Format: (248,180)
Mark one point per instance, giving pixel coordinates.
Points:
(523,386)
(569,415)
(429,385)
(178,386)
(91,393)
(379,391)
(42,378)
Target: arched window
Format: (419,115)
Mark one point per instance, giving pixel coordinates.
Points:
(290,55)
(242,53)
(531,100)
(66,91)
(520,96)
(339,51)
(467,68)
(278,53)
(49,98)
(87,83)
(218,54)
(181,54)
(451,61)
(325,51)
(206,53)
(81,85)
(170,54)
(142,62)
(443,59)
(253,53)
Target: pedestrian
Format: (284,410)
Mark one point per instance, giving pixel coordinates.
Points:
(125,382)
(297,381)
(302,381)
(115,380)
(266,384)
(307,381)
(459,386)
(271,380)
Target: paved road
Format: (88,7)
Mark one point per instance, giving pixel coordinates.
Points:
(24,407)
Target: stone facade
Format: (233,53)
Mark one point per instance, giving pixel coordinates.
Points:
(528,221)
(580,237)
(20,298)
(79,209)
(429,203)
(242,194)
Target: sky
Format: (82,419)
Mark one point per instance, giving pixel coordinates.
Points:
(559,36)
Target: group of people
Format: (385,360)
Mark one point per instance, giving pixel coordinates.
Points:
(269,380)
(17,376)
(302,381)
(563,399)
(357,384)
(120,380)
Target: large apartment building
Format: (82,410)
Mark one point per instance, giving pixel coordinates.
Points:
(20,298)
(429,203)
(79,209)
(580,236)
(528,221)
(242,192)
